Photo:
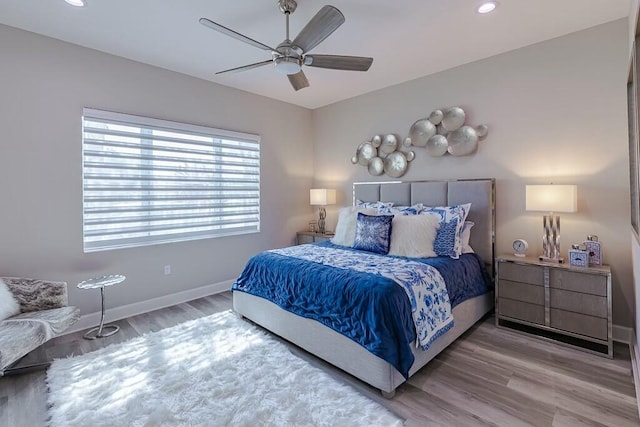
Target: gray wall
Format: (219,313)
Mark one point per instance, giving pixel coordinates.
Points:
(556,112)
(44,85)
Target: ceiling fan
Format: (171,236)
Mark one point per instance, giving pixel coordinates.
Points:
(289,56)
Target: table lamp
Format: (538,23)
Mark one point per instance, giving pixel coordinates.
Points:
(322,197)
(551,198)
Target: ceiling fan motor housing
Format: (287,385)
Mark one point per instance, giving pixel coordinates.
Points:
(290,59)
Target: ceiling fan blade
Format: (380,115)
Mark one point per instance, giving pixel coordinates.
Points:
(298,80)
(338,62)
(246,67)
(326,21)
(224,30)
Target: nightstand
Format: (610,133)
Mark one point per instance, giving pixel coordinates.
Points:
(570,305)
(311,237)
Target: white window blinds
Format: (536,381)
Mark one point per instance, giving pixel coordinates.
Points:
(149,181)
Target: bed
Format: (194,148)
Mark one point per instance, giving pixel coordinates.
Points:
(345,352)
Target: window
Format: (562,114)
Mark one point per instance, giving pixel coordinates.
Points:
(148,181)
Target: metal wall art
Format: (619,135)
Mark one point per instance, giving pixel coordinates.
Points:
(382,155)
(441,133)
(445,132)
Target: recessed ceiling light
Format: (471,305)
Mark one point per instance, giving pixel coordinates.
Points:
(78,3)
(487,7)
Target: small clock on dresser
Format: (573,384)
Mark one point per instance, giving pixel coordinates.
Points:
(520,247)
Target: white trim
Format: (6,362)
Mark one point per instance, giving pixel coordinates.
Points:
(623,334)
(91,320)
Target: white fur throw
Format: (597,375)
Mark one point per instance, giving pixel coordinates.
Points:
(413,235)
(8,304)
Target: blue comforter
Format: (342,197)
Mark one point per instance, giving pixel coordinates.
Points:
(368,308)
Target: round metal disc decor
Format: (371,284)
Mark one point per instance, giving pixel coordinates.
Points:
(437,146)
(482,131)
(411,155)
(421,131)
(376,166)
(389,143)
(463,141)
(354,160)
(365,152)
(436,117)
(407,142)
(376,141)
(395,164)
(453,118)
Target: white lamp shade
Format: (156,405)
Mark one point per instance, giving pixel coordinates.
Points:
(322,196)
(552,198)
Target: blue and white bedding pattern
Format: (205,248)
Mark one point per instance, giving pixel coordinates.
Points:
(423,284)
(369,308)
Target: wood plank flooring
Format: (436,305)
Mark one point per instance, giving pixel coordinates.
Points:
(488,377)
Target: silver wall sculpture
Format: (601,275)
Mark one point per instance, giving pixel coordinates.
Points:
(382,155)
(441,133)
(445,132)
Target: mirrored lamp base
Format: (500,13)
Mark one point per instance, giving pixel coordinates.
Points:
(551,239)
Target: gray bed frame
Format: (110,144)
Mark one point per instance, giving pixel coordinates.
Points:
(350,356)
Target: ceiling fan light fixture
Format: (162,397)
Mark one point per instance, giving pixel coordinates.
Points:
(487,6)
(288,65)
(77,3)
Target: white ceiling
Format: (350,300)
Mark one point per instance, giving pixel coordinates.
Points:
(407,38)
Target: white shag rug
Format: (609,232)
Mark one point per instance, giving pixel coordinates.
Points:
(214,371)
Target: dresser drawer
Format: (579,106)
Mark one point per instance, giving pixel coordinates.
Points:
(590,326)
(521,310)
(521,292)
(578,282)
(531,274)
(591,305)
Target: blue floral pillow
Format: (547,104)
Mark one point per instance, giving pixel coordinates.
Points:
(401,210)
(373,233)
(448,241)
(374,205)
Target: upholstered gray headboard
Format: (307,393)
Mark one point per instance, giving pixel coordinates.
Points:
(479,192)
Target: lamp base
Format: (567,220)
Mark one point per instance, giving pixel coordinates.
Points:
(322,214)
(550,259)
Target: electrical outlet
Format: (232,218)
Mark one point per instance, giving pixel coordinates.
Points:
(167,270)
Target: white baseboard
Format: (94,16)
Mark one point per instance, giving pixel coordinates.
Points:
(622,334)
(112,314)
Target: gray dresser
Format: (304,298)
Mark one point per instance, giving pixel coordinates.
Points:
(571,305)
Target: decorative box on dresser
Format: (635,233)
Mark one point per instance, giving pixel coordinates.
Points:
(311,237)
(568,304)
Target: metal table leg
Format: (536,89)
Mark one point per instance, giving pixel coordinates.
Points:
(98,332)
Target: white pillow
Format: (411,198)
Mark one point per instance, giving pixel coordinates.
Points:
(345,234)
(465,234)
(8,304)
(413,235)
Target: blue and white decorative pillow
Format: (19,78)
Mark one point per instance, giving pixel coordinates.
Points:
(448,242)
(401,210)
(374,205)
(373,233)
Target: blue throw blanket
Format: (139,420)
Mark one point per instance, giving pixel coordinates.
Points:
(423,284)
(368,308)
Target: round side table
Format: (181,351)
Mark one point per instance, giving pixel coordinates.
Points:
(101,282)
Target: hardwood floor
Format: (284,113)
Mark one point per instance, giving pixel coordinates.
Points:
(489,376)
